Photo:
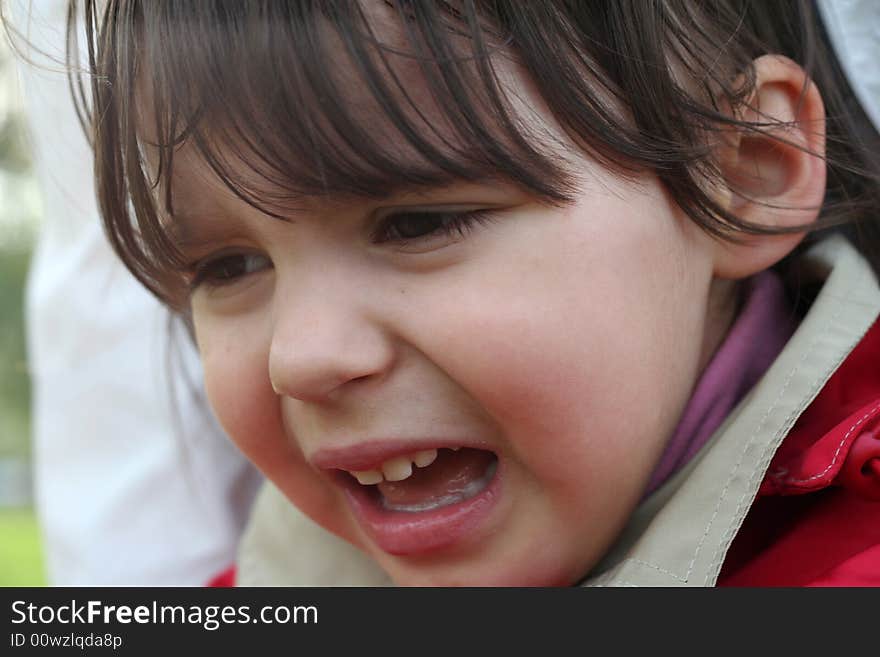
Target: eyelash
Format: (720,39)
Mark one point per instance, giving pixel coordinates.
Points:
(214,271)
(458,223)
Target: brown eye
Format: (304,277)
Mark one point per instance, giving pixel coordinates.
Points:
(418,224)
(226,269)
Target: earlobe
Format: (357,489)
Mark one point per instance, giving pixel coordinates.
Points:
(774,170)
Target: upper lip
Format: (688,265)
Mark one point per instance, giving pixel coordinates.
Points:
(370,454)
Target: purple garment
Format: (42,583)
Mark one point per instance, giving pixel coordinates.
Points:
(759,333)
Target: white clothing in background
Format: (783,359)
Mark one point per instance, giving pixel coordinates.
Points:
(126,492)
(854,29)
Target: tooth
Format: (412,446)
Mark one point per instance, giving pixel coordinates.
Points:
(367,477)
(455,449)
(424,458)
(397,469)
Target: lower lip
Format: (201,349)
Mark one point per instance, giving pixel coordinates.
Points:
(404,533)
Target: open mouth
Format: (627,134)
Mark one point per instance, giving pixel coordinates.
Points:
(424,500)
(430,479)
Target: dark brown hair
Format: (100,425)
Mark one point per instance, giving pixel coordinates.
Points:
(255,85)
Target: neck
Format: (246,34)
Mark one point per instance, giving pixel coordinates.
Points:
(725,301)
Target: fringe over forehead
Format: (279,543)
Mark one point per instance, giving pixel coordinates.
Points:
(346,98)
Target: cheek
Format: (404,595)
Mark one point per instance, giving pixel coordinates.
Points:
(584,358)
(572,390)
(238,388)
(237,385)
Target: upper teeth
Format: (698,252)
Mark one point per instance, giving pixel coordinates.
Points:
(396,469)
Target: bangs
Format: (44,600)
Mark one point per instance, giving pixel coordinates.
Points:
(337,99)
(291,100)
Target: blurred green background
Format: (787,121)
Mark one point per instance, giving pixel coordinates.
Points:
(21,561)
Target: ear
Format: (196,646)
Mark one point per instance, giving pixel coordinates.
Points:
(775,174)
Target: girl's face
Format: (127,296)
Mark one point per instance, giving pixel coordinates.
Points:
(469,385)
(541,356)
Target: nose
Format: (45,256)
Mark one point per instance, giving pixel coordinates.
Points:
(321,344)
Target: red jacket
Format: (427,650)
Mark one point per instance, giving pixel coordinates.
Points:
(816,520)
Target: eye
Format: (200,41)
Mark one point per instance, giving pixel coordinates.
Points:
(421,225)
(225,269)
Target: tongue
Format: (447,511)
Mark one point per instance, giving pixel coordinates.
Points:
(452,477)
